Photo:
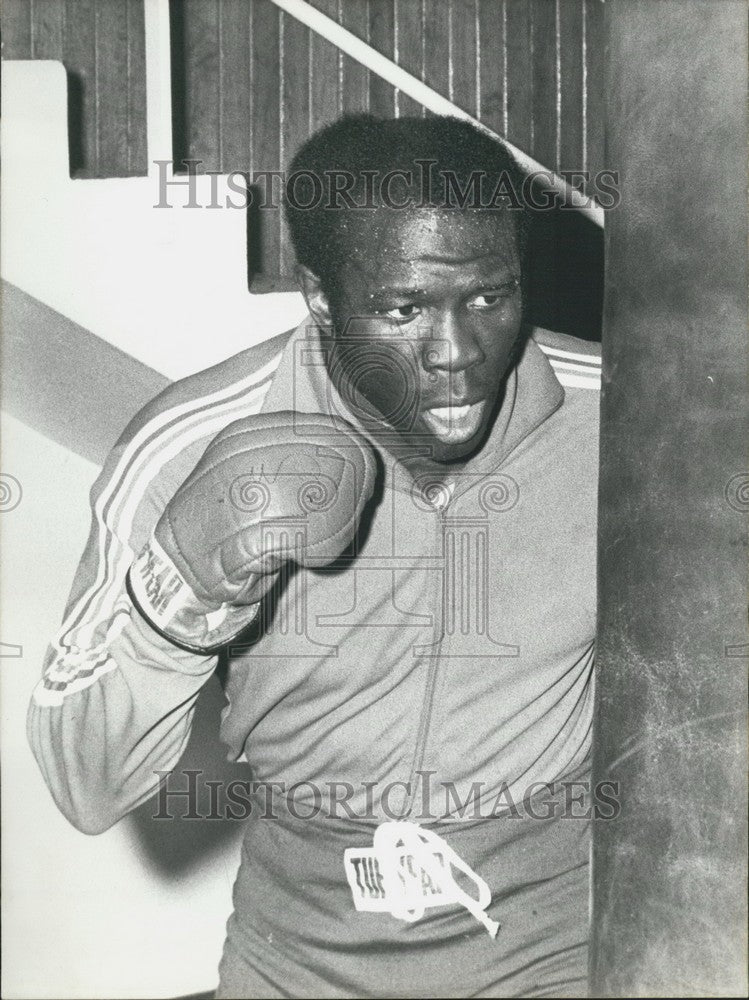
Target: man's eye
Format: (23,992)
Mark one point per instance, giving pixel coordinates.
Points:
(402,312)
(488,300)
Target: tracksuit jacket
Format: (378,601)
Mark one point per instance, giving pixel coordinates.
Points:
(417,715)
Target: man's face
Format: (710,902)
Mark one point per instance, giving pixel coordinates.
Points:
(427,314)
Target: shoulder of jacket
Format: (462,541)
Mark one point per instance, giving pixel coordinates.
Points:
(251,369)
(561,344)
(575,362)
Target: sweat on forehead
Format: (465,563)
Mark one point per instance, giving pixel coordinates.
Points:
(442,234)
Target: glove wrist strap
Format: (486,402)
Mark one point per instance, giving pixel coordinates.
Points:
(163,596)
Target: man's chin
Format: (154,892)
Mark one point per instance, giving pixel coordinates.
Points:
(449,452)
(452,454)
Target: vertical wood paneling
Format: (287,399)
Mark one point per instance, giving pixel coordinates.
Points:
(382,38)
(571,79)
(135,70)
(491,54)
(594,88)
(112,96)
(235,85)
(46,29)
(79,47)
(517,63)
(544,85)
(201,67)
(354,15)
(325,92)
(530,69)
(103,50)
(16,29)
(102,46)
(520,57)
(410,16)
(294,109)
(462,75)
(266,150)
(437,30)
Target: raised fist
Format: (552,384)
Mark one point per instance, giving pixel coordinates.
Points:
(268,489)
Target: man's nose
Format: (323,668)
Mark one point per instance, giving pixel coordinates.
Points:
(452,345)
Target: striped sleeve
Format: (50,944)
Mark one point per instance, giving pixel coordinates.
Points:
(116,700)
(576,363)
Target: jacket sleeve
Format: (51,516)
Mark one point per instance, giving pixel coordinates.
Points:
(116,699)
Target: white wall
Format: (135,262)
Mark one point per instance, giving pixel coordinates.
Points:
(82,916)
(168,286)
(98,917)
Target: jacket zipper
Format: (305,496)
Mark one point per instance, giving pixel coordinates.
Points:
(427,705)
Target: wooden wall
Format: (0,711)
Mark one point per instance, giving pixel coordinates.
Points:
(530,69)
(249,84)
(102,45)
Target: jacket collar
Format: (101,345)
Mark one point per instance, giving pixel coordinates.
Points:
(533,393)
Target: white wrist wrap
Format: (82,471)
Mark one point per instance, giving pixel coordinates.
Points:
(164,597)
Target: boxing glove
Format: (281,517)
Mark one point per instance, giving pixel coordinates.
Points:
(269,489)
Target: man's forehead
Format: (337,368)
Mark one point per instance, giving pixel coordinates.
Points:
(407,249)
(430,234)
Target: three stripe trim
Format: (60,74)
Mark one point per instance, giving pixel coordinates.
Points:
(80,653)
(577,370)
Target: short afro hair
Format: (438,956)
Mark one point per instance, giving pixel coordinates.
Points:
(361,162)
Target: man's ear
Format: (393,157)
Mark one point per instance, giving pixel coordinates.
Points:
(316,300)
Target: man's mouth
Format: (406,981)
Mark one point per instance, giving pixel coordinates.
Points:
(455,424)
